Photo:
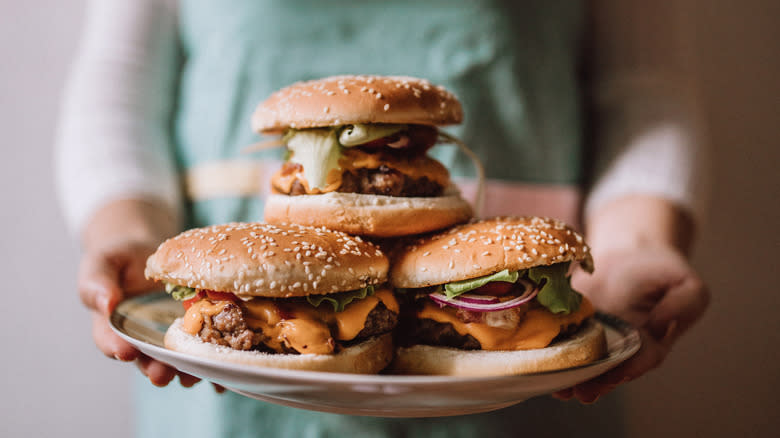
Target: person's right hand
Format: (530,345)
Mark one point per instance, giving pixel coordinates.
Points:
(117,241)
(106,276)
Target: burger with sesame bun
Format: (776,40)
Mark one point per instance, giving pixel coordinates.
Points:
(357,155)
(493,298)
(282,296)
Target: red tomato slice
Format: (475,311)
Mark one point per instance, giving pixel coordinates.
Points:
(220,296)
(380,141)
(188,303)
(494,288)
(423,137)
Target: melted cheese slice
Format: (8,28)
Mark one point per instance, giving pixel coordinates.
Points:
(353,159)
(298,325)
(537,329)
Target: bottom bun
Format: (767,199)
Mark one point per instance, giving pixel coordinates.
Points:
(368,357)
(369,215)
(587,345)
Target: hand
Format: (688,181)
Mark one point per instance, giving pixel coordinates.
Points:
(650,284)
(117,243)
(106,276)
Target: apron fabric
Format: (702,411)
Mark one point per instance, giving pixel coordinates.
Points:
(513,64)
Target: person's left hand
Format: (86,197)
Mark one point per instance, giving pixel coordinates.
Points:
(653,288)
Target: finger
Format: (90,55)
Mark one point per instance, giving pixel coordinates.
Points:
(682,305)
(590,391)
(133,263)
(564,394)
(650,356)
(108,342)
(158,373)
(98,283)
(187,380)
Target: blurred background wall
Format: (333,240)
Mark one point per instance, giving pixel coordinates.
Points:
(721,381)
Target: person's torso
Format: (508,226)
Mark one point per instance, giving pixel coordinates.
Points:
(513,64)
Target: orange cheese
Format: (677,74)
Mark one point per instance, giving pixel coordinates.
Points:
(537,329)
(193,319)
(297,324)
(352,159)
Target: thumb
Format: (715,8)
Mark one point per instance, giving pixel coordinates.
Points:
(680,307)
(98,283)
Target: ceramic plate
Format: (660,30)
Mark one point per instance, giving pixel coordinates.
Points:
(142,321)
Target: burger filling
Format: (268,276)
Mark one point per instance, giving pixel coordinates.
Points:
(517,310)
(378,159)
(318,324)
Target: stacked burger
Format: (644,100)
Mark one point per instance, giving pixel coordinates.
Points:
(306,291)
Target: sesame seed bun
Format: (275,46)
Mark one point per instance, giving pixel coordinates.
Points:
(340,100)
(369,215)
(587,345)
(367,357)
(486,247)
(255,259)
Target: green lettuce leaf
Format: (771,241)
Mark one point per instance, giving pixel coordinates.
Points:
(556,294)
(317,150)
(339,301)
(459,287)
(180,293)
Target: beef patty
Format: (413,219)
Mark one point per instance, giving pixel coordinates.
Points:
(380,181)
(229,328)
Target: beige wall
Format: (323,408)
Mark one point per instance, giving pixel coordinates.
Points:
(721,381)
(724,379)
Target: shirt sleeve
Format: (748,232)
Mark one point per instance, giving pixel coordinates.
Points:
(114,139)
(647,136)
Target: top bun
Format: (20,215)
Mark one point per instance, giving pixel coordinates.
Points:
(342,100)
(255,259)
(486,247)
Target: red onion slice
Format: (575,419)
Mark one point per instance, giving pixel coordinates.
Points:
(457,302)
(400,143)
(478,299)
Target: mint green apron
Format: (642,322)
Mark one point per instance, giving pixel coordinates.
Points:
(513,64)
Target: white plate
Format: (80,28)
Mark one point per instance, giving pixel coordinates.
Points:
(142,321)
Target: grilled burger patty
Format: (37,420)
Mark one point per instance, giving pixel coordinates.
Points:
(229,328)
(380,181)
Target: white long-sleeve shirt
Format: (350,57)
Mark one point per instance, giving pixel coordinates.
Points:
(115,142)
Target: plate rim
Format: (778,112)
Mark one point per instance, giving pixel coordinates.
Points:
(630,343)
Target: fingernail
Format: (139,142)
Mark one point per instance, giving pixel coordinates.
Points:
(116,356)
(671,329)
(589,399)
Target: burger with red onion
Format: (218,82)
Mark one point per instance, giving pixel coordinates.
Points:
(357,155)
(494,298)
